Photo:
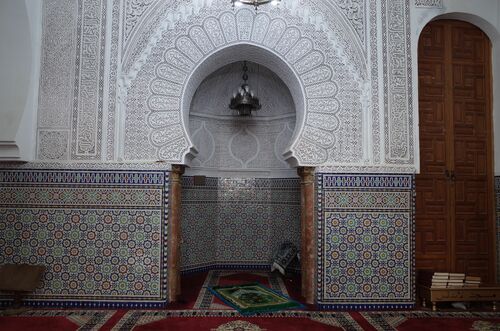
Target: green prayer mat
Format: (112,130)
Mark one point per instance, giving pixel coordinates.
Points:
(253,298)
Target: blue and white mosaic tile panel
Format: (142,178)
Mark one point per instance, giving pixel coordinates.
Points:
(199,211)
(365,241)
(237,222)
(100,234)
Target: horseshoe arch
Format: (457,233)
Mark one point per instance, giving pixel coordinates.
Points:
(221,38)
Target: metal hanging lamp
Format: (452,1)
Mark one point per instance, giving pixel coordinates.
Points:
(255,3)
(244,100)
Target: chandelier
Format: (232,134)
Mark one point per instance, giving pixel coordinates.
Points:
(244,100)
(255,3)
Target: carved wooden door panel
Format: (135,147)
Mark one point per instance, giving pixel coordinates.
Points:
(454,210)
(432,228)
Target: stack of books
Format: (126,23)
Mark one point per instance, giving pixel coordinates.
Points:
(447,279)
(439,279)
(456,279)
(472,281)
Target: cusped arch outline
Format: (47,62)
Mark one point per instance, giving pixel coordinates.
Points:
(254,53)
(273,42)
(318,120)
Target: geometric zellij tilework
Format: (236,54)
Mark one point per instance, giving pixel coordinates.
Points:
(100,234)
(237,222)
(366,241)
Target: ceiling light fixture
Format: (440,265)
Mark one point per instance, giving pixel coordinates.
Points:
(244,100)
(255,3)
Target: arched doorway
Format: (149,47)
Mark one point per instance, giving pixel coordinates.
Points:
(242,165)
(241,199)
(455,192)
(321,76)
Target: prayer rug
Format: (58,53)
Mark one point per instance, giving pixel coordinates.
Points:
(206,300)
(253,298)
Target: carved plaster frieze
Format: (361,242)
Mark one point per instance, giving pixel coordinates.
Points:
(133,12)
(316,13)
(324,77)
(351,13)
(350,116)
(87,119)
(57,63)
(114,68)
(429,4)
(53,145)
(374,115)
(355,11)
(399,122)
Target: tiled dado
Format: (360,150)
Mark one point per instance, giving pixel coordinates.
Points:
(365,241)
(100,233)
(237,222)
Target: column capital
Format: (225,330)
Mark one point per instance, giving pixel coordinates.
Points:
(306,173)
(178,169)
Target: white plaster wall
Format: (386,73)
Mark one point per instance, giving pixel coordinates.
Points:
(20,33)
(485,14)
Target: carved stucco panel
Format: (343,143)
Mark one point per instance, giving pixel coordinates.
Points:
(399,134)
(53,145)
(57,64)
(429,3)
(290,44)
(87,118)
(295,43)
(320,53)
(331,58)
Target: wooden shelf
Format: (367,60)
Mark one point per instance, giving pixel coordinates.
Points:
(20,279)
(483,293)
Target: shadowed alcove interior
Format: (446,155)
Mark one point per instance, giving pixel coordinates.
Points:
(248,201)
(228,142)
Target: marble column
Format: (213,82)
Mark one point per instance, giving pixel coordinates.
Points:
(308,253)
(174,234)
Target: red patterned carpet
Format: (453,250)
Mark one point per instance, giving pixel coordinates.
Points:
(45,320)
(199,310)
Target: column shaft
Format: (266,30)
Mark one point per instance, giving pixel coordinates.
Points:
(308,252)
(174,234)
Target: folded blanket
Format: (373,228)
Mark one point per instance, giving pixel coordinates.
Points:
(284,256)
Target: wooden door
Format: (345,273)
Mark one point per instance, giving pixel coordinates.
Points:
(455,193)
